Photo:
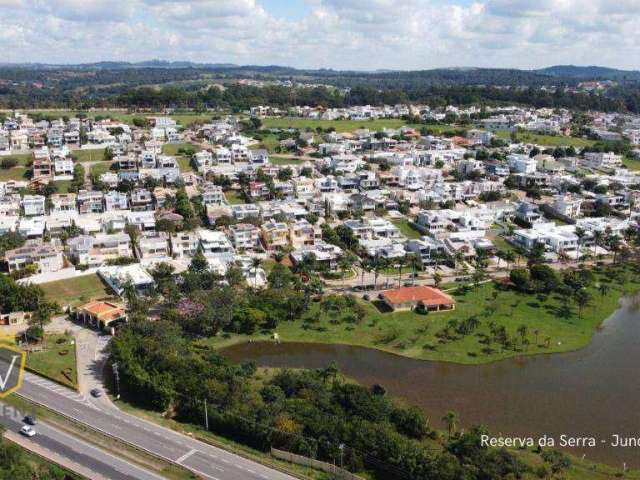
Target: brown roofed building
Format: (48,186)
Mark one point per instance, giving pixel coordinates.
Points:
(407,298)
(101,314)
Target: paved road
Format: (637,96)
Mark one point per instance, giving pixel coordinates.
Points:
(203,459)
(99,462)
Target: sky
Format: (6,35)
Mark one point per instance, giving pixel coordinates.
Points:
(339,34)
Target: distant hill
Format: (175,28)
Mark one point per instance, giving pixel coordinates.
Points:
(590,72)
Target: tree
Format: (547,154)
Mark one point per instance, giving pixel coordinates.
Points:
(451,420)
(199,263)
(437,279)
(522,331)
(255,264)
(582,298)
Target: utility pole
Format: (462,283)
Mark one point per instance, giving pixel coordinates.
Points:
(116,376)
(206,415)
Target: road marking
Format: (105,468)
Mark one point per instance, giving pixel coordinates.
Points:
(186,455)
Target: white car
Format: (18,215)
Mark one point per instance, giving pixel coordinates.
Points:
(27,431)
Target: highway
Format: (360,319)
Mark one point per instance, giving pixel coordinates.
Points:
(204,460)
(101,463)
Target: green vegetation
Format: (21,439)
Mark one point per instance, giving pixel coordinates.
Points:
(550,140)
(99,168)
(88,155)
(632,163)
(56,360)
(234,197)
(182,152)
(405,228)
(342,125)
(14,173)
(282,160)
(76,291)
(62,186)
(19,464)
(185,119)
(552,325)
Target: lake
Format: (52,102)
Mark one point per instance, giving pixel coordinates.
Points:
(593,392)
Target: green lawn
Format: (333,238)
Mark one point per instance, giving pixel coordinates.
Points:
(632,163)
(550,140)
(340,125)
(15,173)
(269,142)
(76,291)
(63,185)
(414,335)
(100,168)
(56,361)
(183,162)
(234,197)
(22,158)
(88,155)
(280,160)
(405,228)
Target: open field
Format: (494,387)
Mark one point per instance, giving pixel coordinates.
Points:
(22,158)
(632,163)
(76,291)
(234,197)
(342,125)
(88,155)
(405,228)
(15,173)
(56,361)
(184,162)
(419,336)
(63,185)
(550,140)
(100,167)
(281,160)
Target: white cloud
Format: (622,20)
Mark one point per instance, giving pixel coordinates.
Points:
(357,34)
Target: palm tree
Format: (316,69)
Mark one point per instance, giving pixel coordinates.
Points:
(415,262)
(613,242)
(255,264)
(597,240)
(522,331)
(580,233)
(451,420)
(536,332)
(400,264)
(365,267)
(344,264)
(458,258)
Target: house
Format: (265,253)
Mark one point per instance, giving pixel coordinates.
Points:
(90,201)
(33,205)
(428,249)
(325,254)
(118,277)
(101,314)
(303,233)
(275,235)
(522,163)
(244,236)
(47,257)
(114,200)
(141,200)
(213,195)
(528,212)
(567,205)
(608,160)
(152,245)
(215,244)
(63,202)
(94,251)
(408,298)
(184,244)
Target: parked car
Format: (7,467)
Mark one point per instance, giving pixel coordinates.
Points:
(30,420)
(27,431)
(96,392)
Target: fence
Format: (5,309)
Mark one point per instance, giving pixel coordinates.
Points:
(340,473)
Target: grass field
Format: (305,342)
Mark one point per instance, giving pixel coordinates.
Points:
(234,197)
(340,125)
(405,228)
(183,162)
(22,158)
(632,163)
(63,185)
(100,167)
(280,160)
(15,173)
(56,361)
(76,291)
(414,335)
(89,154)
(549,140)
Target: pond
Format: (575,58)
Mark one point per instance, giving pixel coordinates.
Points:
(593,392)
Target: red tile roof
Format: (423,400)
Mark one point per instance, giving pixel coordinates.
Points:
(427,295)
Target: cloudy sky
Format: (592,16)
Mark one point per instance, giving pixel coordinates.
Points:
(341,34)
